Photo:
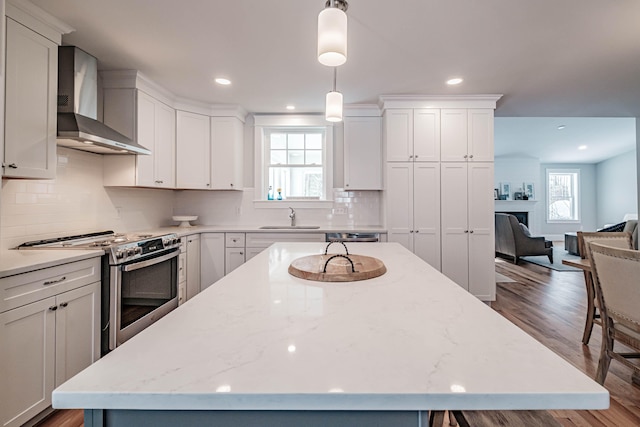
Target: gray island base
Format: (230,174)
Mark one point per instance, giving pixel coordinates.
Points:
(140,418)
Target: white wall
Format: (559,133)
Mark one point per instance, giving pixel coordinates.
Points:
(76,202)
(616,188)
(517,171)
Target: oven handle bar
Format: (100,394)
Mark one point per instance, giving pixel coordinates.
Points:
(153,261)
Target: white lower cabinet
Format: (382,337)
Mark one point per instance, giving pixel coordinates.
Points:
(192,285)
(234,255)
(52,335)
(413,208)
(468,227)
(212,252)
(182,272)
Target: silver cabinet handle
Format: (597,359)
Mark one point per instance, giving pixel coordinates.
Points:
(51,282)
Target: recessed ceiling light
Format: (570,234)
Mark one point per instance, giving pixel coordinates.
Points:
(582,147)
(223,81)
(455,81)
(561,127)
(291,107)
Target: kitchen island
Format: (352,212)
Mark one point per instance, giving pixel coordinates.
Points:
(261,347)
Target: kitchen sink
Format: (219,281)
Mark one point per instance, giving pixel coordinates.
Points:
(289,227)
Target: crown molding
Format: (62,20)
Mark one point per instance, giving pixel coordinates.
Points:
(438,101)
(38,20)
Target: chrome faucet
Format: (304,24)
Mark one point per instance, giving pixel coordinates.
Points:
(292,215)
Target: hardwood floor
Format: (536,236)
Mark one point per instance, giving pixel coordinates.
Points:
(549,305)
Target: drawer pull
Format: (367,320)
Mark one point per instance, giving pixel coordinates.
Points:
(51,282)
(64,304)
(53,308)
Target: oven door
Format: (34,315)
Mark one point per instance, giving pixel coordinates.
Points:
(141,292)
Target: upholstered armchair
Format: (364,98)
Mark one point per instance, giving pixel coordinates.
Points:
(513,240)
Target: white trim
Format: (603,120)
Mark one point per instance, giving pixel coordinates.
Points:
(438,101)
(296,204)
(292,120)
(37,19)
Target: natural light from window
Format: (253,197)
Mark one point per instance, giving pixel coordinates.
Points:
(295,168)
(562,195)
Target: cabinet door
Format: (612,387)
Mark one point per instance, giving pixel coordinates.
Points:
(362,153)
(480,135)
(482,282)
(193,266)
(30,104)
(212,258)
(398,134)
(182,278)
(165,154)
(146,136)
(453,135)
(27,353)
(251,252)
(193,160)
(426,135)
(455,229)
(426,212)
(234,258)
(77,331)
(399,201)
(227,143)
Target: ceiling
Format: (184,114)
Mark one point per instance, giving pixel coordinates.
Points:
(549,58)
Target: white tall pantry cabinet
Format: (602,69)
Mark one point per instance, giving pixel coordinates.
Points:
(439,184)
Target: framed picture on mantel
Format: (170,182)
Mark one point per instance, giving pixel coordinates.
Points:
(529,190)
(505,191)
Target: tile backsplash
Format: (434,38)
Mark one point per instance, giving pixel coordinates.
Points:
(77,202)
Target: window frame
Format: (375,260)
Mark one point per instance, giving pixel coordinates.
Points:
(576,191)
(267,123)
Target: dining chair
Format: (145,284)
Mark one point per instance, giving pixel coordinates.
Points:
(615,239)
(616,273)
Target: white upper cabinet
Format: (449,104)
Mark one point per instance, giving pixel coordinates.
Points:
(466,135)
(152,124)
(412,135)
(193,153)
(362,153)
(30,103)
(227,148)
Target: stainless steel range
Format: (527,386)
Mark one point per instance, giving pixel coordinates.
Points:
(139,278)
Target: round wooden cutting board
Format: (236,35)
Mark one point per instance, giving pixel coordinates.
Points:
(339,268)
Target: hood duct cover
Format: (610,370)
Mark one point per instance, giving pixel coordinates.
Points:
(78,106)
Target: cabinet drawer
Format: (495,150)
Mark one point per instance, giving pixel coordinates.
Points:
(21,289)
(234,240)
(264,240)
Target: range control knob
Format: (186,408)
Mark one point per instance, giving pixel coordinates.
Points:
(138,250)
(120,254)
(131,251)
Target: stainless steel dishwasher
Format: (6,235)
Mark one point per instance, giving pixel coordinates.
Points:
(352,237)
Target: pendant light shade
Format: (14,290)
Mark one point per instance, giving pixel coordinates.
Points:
(334,107)
(332,34)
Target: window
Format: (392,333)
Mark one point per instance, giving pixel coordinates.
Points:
(562,195)
(293,154)
(295,163)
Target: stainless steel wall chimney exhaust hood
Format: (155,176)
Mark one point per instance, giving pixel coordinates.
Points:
(78,108)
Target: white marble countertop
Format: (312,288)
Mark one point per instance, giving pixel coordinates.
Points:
(262,339)
(21,261)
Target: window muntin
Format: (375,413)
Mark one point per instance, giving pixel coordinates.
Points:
(295,162)
(563,195)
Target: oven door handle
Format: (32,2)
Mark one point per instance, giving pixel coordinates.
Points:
(153,261)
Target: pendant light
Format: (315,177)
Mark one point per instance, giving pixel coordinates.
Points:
(333,109)
(332,33)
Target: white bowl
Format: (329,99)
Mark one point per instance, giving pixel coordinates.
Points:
(184,219)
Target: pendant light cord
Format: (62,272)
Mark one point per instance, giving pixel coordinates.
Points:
(335,77)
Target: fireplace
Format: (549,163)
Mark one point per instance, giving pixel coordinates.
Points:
(522,217)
